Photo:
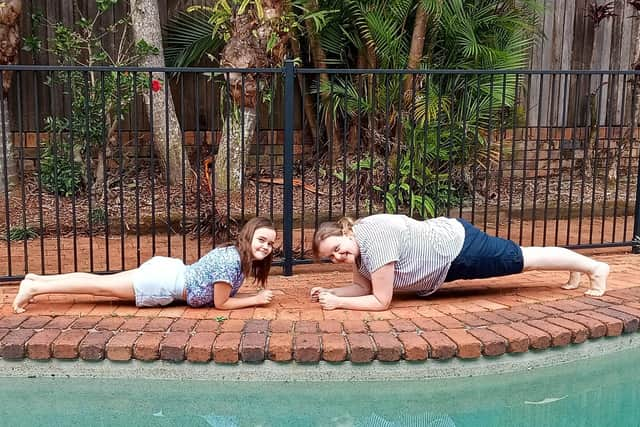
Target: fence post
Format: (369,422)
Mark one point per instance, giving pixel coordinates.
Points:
(287,203)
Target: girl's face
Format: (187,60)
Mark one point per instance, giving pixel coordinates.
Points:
(339,249)
(262,243)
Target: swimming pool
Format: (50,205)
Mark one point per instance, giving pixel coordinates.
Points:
(600,391)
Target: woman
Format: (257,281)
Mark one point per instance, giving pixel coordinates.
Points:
(394,253)
(213,280)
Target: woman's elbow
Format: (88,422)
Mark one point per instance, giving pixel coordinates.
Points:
(383,303)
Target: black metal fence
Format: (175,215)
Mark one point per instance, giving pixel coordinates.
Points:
(542,158)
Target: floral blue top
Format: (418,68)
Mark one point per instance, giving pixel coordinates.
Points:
(219,265)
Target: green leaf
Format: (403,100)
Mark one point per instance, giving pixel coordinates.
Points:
(340,176)
(104,5)
(21,233)
(189,37)
(143,48)
(31,44)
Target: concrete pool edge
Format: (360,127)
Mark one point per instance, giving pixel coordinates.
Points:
(323,371)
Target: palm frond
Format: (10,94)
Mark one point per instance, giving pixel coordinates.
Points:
(189,36)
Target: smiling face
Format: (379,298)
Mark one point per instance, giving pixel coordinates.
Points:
(339,249)
(262,243)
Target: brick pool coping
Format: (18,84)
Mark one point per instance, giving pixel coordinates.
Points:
(466,320)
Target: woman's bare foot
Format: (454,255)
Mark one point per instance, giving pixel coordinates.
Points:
(598,280)
(574,281)
(23,296)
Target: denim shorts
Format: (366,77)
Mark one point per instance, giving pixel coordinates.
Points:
(159,281)
(485,256)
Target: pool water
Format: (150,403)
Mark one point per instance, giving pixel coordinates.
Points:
(602,391)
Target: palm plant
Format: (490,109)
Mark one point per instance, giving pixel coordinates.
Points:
(443,110)
(452,112)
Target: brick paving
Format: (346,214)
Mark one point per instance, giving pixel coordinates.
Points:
(467,320)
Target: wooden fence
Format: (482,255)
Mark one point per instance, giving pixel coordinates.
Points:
(570,40)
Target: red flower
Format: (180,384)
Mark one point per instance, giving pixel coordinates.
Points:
(156,85)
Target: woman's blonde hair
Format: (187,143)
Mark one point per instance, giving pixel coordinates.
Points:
(341,227)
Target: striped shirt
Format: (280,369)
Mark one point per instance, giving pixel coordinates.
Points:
(422,250)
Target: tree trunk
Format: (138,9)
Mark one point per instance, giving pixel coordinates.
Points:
(250,46)
(10,12)
(319,59)
(307,102)
(415,53)
(7,158)
(145,22)
(230,149)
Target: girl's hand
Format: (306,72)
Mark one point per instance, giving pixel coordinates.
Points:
(328,301)
(264,297)
(315,293)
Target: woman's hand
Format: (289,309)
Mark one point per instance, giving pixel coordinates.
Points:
(328,301)
(315,292)
(264,297)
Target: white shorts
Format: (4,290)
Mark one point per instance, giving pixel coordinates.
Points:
(159,281)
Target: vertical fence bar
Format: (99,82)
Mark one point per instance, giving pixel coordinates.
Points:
(136,146)
(105,177)
(287,202)
(21,160)
(514,131)
(121,174)
(636,224)
(632,132)
(167,163)
(39,178)
(619,148)
(303,125)
(5,176)
(272,151)
(71,160)
(183,171)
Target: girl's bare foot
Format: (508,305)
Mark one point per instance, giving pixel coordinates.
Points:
(574,281)
(598,280)
(23,296)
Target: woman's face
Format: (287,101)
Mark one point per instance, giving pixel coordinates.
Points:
(262,243)
(339,249)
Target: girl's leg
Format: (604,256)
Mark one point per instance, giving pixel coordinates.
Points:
(61,276)
(118,285)
(554,258)
(574,281)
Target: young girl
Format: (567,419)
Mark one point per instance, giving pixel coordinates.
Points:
(396,253)
(213,280)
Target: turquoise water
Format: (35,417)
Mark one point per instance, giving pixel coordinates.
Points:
(602,391)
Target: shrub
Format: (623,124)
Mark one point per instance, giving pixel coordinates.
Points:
(59,173)
(97,216)
(21,233)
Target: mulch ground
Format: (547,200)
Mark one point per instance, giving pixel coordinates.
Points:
(144,202)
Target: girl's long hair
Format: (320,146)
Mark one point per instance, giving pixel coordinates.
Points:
(258,269)
(342,227)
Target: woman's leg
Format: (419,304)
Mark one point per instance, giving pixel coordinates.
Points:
(118,285)
(554,258)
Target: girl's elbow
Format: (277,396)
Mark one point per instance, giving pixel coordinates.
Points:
(221,305)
